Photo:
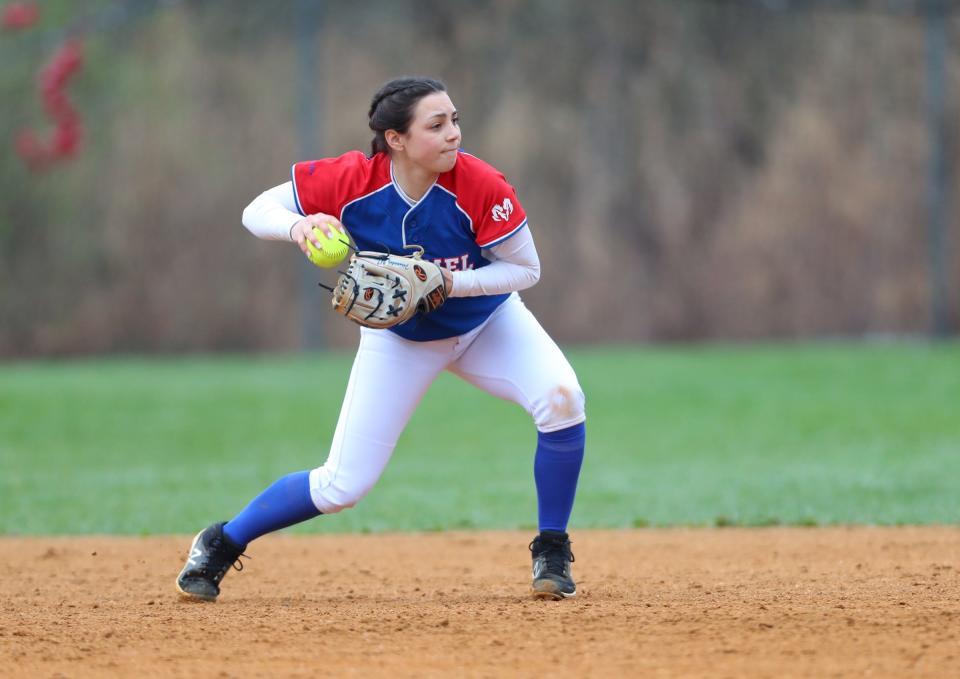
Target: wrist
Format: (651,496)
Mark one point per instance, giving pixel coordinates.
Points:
(448,278)
(464,283)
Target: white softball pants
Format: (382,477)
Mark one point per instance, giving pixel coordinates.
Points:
(509,356)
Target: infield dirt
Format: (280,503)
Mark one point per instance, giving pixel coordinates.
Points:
(772,602)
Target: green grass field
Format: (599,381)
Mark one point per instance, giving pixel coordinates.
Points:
(785,434)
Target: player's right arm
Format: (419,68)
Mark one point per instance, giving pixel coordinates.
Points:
(273,215)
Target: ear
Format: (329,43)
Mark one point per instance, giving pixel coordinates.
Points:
(394,140)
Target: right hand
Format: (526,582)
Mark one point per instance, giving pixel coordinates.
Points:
(302,231)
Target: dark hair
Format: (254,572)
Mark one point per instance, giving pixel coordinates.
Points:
(392,107)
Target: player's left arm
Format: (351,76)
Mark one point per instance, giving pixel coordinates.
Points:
(516,267)
(499,225)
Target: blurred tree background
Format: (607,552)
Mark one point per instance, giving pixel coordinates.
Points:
(692,169)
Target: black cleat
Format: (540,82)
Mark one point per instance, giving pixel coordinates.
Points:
(551,566)
(211,555)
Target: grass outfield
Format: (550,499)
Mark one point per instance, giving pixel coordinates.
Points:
(787,434)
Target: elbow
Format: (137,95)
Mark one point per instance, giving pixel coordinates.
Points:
(248,216)
(534,273)
(255,214)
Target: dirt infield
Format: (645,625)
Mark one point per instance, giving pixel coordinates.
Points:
(878,602)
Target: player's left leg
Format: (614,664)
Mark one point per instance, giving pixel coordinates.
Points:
(512,357)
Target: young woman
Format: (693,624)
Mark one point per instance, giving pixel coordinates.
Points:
(418,187)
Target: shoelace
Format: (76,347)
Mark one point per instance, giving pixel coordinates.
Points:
(217,569)
(556,555)
(557,559)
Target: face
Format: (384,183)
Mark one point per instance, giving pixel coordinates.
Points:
(433,137)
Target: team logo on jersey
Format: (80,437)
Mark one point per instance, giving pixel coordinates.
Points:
(502,212)
(421,274)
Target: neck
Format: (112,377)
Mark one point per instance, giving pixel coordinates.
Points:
(413,179)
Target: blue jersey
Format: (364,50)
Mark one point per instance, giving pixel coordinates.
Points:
(468,208)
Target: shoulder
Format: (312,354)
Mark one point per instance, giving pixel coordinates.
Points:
(350,164)
(486,198)
(325,185)
(477,184)
(471,170)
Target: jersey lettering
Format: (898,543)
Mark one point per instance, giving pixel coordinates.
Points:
(461,263)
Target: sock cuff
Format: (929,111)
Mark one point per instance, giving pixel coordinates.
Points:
(564,440)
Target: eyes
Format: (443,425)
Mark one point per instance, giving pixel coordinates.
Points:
(439,124)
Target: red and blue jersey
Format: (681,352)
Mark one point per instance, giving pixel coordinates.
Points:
(469,208)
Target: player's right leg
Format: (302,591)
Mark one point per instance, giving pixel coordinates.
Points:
(389,377)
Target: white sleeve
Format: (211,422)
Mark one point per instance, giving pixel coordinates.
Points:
(273,213)
(516,267)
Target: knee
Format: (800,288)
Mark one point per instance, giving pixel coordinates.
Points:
(330,495)
(560,406)
(332,499)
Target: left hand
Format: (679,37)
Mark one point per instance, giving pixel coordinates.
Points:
(380,290)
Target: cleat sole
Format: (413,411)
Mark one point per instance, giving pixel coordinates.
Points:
(548,589)
(193,596)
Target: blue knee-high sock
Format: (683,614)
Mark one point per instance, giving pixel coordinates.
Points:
(283,504)
(556,469)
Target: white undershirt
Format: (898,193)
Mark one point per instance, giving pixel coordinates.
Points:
(515,263)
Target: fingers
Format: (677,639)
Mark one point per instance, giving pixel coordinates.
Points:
(297,234)
(328,224)
(312,226)
(300,232)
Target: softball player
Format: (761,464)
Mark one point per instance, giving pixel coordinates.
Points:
(418,187)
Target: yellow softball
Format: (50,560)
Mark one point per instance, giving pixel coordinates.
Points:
(331,251)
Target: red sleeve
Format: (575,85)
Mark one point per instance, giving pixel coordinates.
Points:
(490,201)
(327,185)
